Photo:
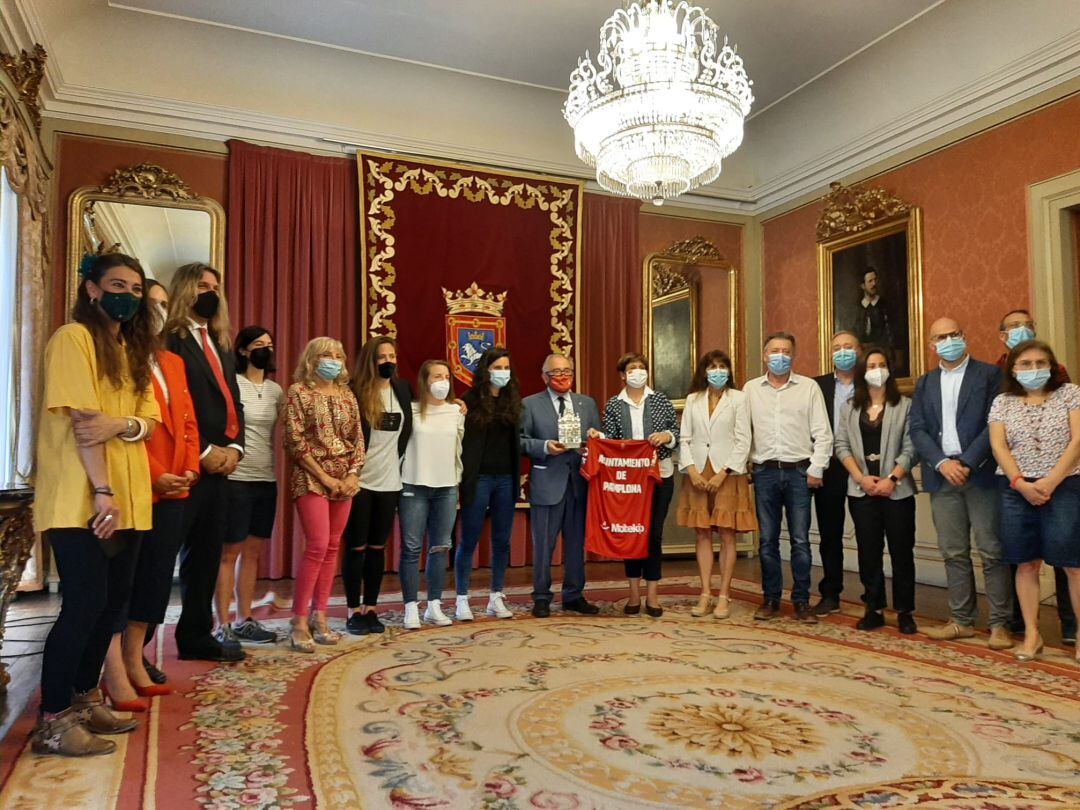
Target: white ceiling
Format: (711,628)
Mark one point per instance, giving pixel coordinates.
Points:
(163,238)
(785,43)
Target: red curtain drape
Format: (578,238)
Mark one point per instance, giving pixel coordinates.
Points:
(292,266)
(610,320)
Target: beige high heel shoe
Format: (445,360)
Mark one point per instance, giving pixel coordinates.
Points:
(300,640)
(321,632)
(704,605)
(723,607)
(1024,657)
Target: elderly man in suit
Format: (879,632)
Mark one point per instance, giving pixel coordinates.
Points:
(950,433)
(557,492)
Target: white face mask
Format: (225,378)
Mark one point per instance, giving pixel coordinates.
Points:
(440,389)
(637,378)
(876,377)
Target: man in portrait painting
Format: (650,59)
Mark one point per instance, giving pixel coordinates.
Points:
(873,328)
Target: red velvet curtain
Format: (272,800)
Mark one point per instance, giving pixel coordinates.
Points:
(610,320)
(292,266)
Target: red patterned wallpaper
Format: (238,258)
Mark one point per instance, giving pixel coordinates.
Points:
(975,244)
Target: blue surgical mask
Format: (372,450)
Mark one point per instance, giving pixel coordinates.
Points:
(844,359)
(717,377)
(779,363)
(500,377)
(329,369)
(1033,379)
(1017,335)
(951,348)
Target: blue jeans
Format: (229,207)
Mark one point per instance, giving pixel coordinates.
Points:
(425,510)
(500,493)
(777,492)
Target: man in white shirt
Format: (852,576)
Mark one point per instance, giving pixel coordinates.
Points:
(791,448)
(949,430)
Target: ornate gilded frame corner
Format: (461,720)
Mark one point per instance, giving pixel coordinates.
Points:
(26,71)
(144,184)
(674,274)
(853,216)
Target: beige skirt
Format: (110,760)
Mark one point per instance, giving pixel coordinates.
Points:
(731,507)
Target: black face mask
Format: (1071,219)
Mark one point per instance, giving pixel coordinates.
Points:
(206,305)
(386,370)
(261,357)
(121,307)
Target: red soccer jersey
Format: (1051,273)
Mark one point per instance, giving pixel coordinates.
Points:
(621,478)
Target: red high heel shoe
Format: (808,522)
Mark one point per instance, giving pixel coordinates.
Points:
(153,690)
(136,705)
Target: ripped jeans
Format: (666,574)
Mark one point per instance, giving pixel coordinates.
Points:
(425,510)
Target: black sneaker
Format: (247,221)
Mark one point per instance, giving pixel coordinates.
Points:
(253,632)
(373,623)
(871,620)
(580,605)
(227,638)
(356,625)
(541,610)
(906,623)
(826,606)
(804,614)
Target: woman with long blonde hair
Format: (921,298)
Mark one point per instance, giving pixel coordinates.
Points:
(324,440)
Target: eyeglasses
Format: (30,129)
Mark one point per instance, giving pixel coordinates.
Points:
(1016,325)
(560,372)
(946,336)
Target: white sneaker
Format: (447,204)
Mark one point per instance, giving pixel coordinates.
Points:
(412,616)
(462,611)
(434,614)
(496,607)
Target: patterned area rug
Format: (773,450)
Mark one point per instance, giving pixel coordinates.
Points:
(598,712)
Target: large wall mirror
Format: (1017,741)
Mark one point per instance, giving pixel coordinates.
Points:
(149,213)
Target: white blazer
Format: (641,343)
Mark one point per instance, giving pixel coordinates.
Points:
(722,438)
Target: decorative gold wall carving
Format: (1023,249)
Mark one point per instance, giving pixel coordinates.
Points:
(695,249)
(26,71)
(855,208)
(147,181)
(16,543)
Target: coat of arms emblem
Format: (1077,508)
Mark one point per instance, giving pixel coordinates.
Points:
(474,324)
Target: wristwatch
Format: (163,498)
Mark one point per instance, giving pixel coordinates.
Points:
(894,479)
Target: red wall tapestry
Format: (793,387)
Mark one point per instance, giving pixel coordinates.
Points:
(433,230)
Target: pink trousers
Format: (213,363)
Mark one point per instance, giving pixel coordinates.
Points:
(323,522)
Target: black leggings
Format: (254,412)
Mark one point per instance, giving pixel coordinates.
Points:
(650,566)
(371,520)
(94,592)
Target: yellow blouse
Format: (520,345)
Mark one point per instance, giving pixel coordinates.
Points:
(63,495)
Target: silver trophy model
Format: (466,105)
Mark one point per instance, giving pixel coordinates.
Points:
(570,431)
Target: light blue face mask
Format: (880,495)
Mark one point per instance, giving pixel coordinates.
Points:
(845,359)
(951,348)
(500,377)
(1017,335)
(329,369)
(779,363)
(1033,379)
(717,377)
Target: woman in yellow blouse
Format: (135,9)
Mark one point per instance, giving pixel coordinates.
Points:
(93,492)
(324,440)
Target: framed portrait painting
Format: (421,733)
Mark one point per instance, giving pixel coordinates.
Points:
(870,278)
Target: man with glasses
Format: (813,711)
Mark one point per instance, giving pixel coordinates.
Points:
(1016,327)
(557,492)
(949,429)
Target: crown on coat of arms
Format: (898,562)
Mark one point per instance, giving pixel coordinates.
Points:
(474,299)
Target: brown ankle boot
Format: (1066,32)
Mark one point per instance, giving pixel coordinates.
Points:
(99,718)
(66,736)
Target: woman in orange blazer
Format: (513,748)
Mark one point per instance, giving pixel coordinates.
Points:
(174,467)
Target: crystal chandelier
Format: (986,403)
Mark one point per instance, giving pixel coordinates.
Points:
(662,105)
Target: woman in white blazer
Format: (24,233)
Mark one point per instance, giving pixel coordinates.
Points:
(714,445)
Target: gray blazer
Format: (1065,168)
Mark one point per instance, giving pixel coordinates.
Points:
(896,446)
(550,475)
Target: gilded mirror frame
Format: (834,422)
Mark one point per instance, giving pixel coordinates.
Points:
(144,184)
(674,274)
(862,215)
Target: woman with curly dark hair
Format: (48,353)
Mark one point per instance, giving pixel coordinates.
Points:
(491,461)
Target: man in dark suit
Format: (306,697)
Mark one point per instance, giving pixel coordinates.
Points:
(557,492)
(197,331)
(949,430)
(830,500)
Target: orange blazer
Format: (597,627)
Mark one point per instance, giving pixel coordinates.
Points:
(174,445)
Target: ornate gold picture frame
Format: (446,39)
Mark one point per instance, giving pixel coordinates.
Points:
(146,184)
(870,277)
(670,304)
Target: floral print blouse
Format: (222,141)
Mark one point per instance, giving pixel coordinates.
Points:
(1037,434)
(325,427)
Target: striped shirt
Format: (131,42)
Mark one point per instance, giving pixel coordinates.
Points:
(262,405)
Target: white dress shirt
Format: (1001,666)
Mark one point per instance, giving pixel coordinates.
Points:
(159,375)
(555,401)
(951,380)
(637,428)
(790,423)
